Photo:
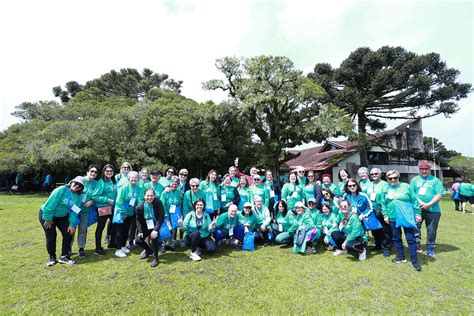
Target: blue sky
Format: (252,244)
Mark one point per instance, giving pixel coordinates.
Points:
(47,43)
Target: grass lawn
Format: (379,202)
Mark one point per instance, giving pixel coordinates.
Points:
(269,280)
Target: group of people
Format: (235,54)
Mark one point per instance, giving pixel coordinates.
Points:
(161,212)
(463,192)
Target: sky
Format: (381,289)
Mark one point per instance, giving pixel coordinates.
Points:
(48,43)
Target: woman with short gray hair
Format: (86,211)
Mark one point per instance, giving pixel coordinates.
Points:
(364,182)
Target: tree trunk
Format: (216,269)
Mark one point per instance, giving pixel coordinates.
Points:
(363,142)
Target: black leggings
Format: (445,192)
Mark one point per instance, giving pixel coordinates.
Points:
(194,240)
(100,228)
(122,232)
(354,247)
(62,223)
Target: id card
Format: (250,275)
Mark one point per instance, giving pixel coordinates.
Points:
(354,210)
(215,196)
(231,231)
(172,209)
(84,197)
(373,196)
(150,224)
(75,209)
(325,230)
(272,193)
(280,227)
(132,202)
(422,191)
(294,195)
(223,198)
(390,195)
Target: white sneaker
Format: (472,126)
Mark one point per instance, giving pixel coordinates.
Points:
(194,256)
(119,253)
(125,250)
(363,255)
(339,252)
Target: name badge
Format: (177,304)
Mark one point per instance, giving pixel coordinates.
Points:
(172,209)
(422,191)
(354,209)
(325,230)
(280,227)
(150,224)
(84,197)
(272,193)
(223,198)
(215,196)
(75,209)
(295,195)
(132,202)
(373,196)
(390,195)
(231,231)
(341,227)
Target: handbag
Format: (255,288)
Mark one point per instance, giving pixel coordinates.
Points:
(118,217)
(165,232)
(105,210)
(174,217)
(249,241)
(371,222)
(405,215)
(93,216)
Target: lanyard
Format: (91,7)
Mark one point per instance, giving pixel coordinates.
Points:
(149,212)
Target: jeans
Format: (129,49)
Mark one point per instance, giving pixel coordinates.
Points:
(100,228)
(284,238)
(238,234)
(194,240)
(410,238)
(383,236)
(354,247)
(431,219)
(155,243)
(62,223)
(81,230)
(122,231)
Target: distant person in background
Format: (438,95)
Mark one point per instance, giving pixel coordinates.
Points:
(36,183)
(20,182)
(47,184)
(455,195)
(466,194)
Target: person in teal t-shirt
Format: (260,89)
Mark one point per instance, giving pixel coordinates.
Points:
(429,191)
(60,210)
(466,194)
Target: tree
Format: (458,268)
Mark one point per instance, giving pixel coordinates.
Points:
(282,107)
(465,165)
(439,152)
(390,83)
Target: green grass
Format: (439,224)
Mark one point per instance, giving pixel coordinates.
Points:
(269,280)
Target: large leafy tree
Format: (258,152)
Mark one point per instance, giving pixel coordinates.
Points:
(282,107)
(465,165)
(439,152)
(390,83)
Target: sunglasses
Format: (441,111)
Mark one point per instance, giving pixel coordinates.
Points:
(76,184)
(183,174)
(300,171)
(247,207)
(392,178)
(109,170)
(352,185)
(126,167)
(194,186)
(311,203)
(374,174)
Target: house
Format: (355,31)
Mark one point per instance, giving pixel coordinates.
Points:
(385,154)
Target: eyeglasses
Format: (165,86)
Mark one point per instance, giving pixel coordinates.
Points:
(126,167)
(183,174)
(247,207)
(352,185)
(93,171)
(374,174)
(392,178)
(109,170)
(326,193)
(311,203)
(344,206)
(170,171)
(194,186)
(300,171)
(310,175)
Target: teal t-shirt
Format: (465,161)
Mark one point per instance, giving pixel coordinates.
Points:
(426,189)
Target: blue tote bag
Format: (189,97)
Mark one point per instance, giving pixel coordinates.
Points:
(165,232)
(371,222)
(405,215)
(93,216)
(175,216)
(249,241)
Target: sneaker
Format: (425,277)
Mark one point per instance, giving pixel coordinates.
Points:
(131,245)
(51,262)
(144,255)
(125,250)
(419,250)
(99,251)
(310,251)
(154,262)
(119,253)
(363,255)
(386,253)
(82,253)
(416,266)
(106,239)
(339,252)
(430,253)
(162,250)
(199,251)
(194,256)
(399,260)
(66,260)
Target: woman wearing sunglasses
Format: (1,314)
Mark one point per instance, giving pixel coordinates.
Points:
(192,196)
(60,210)
(291,192)
(122,178)
(329,198)
(104,197)
(394,193)
(90,183)
(312,190)
(259,189)
(211,190)
(359,201)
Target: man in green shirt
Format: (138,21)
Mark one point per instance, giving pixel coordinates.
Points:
(429,191)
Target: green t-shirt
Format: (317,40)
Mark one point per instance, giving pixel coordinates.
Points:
(426,189)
